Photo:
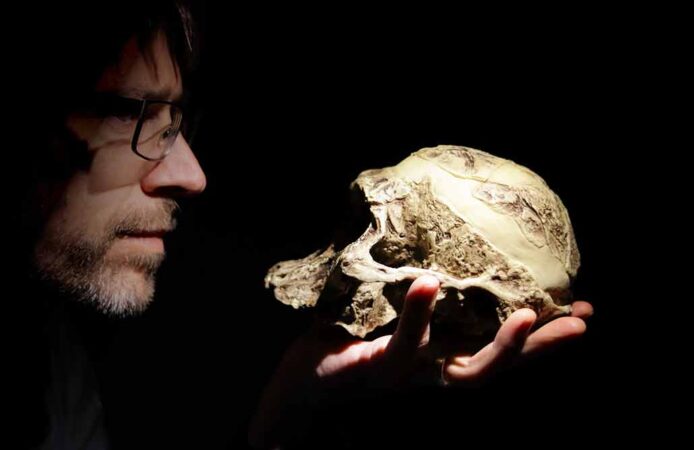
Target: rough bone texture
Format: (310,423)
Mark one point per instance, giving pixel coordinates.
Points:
(492,232)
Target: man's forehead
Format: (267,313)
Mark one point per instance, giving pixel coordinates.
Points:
(152,74)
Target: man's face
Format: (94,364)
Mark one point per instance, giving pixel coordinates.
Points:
(102,239)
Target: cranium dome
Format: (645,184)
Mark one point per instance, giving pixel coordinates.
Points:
(492,232)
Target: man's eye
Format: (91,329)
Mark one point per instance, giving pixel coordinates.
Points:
(168,133)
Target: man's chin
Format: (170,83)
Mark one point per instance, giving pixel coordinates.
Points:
(126,293)
(115,283)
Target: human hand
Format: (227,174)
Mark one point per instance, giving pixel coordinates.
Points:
(393,356)
(324,356)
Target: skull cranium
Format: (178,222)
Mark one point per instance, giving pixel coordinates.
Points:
(484,226)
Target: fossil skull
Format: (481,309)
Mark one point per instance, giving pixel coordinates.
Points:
(485,227)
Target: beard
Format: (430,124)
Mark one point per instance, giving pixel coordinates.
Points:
(80,266)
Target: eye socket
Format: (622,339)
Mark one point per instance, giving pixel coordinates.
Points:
(125,119)
(122,122)
(168,133)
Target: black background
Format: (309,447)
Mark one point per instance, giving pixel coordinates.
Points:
(293,109)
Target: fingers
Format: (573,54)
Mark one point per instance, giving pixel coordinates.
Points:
(581,309)
(512,342)
(554,334)
(560,330)
(507,345)
(413,328)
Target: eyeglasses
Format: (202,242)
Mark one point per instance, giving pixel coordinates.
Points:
(152,125)
(156,130)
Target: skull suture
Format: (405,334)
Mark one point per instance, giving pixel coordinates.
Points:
(487,228)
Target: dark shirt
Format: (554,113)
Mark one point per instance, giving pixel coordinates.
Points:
(75,412)
(52,394)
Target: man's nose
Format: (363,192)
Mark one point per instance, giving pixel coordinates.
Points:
(177,175)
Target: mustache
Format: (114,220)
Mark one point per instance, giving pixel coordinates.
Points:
(159,218)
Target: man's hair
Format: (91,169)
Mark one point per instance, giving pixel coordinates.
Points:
(76,44)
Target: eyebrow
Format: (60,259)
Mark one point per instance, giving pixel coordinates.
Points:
(157,94)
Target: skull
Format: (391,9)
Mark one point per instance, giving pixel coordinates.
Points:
(491,231)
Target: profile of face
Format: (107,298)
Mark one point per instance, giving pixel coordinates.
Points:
(101,238)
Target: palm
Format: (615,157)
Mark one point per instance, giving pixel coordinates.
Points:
(323,354)
(335,355)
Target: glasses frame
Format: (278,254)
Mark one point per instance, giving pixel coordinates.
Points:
(140,120)
(105,104)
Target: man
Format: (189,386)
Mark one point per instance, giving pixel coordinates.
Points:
(108,161)
(103,195)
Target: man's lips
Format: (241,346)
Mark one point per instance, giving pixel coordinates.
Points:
(144,234)
(139,240)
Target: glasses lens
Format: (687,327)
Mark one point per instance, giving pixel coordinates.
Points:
(160,124)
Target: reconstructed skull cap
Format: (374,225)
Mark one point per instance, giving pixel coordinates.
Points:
(491,231)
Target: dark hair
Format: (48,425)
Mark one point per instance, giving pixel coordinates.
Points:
(75,44)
